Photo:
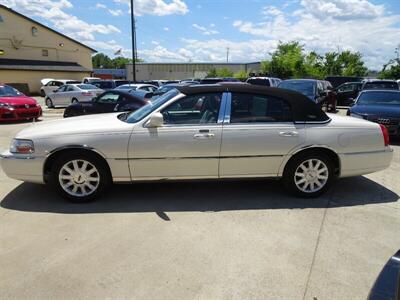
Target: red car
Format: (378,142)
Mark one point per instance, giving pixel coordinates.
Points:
(16,106)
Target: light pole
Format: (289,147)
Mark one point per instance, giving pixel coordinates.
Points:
(133,28)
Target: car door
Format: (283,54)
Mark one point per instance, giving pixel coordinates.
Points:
(345,92)
(57,96)
(187,146)
(258,133)
(67,95)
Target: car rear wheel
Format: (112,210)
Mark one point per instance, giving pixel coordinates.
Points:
(80,177)
(74,100)
(309,175)
(49,103)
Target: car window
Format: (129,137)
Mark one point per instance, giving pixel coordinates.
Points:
(381,85)
(70,88)
(346,88)
(249,108)
(8,91)
(58,83)
(194,109)
(259,81)
(108,98)
(61,89)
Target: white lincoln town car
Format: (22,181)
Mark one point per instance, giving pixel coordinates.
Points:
(216,131)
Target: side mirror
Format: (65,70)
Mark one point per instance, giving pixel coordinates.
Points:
(55,91)
(156,120)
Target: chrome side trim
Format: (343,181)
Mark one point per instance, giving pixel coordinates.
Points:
(49,153)
(205,157)
(2,156)
(368,152)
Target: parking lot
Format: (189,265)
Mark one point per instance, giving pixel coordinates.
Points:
(197,240)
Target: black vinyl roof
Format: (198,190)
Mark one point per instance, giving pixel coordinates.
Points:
(304,110)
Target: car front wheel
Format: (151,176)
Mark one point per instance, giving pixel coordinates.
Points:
(80,177)
(309,175)
(49,103)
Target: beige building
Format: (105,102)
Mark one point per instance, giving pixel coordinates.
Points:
(179,71)
(30,51)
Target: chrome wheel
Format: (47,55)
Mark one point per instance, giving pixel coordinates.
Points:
(311,176)
(79,178)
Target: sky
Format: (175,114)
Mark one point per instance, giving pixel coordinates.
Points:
(202,30)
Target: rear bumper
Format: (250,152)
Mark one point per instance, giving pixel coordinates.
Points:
(22,167)
(20,114)
(361,163)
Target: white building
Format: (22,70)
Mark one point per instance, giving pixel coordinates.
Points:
(176,71)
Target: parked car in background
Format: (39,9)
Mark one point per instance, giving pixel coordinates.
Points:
(109,84)
(218,80)
(376,84)
(50,85)
(267,132)
(137,86)
(90,79)
(379,106)
(72,93)
(347,93)
(167,87)
(315,90)
(109,101)
(264,81)
(339,80)
(16,106)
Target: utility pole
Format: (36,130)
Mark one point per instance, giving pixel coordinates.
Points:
(397,51)
(227,54)
(133,32)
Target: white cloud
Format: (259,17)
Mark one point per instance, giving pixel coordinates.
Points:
(157,7)
(325,25)
(115,12)
(53,12)
(100,5)
(166,29)
(204,30)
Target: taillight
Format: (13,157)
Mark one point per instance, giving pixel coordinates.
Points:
(385,133)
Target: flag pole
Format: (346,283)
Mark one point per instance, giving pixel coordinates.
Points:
(133,41)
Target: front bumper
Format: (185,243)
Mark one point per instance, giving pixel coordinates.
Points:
(23,167)
(16,114)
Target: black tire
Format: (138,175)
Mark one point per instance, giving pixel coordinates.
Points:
(289,175)
(42,93)
(49,103)
(74,100)
(104,177)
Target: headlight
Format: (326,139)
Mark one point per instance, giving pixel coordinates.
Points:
(6,105)
(356,116)
(22,146)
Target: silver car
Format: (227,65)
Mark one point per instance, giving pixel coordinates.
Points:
(137,86)
(201,132)
(72,93)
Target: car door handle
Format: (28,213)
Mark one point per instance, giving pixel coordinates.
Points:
(203,136)
(288,133)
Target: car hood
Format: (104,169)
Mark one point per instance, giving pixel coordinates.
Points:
(18,100)
(91,124)
(380,110)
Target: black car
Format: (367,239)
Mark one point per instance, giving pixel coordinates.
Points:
(376,84)
(218,80)
(382,106)
(347,92)
(316,90)
(109,101)
(109,84)
(336,81)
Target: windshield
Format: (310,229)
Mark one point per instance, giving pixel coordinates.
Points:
(103,84)
(386,85)
(304,87)
(87,87)
(126,87)
(379,98)
(144,111)
(8,91)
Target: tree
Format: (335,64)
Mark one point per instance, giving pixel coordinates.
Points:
(224,72)
(241,75)
(212,73)
(314,66)
(101,60)
(121,62)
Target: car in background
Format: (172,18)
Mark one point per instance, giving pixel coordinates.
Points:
(376,84)
(16,106)
(218,80)
(379,106)
(137,86)
(264,81)
(50,85)
(109,84)
(107,102)
(336,81)
(72,93)
(167,87)
(218,131)
(347,92)
(90,79)
(315,90)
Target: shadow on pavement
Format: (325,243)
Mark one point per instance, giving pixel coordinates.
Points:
(198,196)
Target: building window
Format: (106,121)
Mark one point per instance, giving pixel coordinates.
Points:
(34,31)
(45,52)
